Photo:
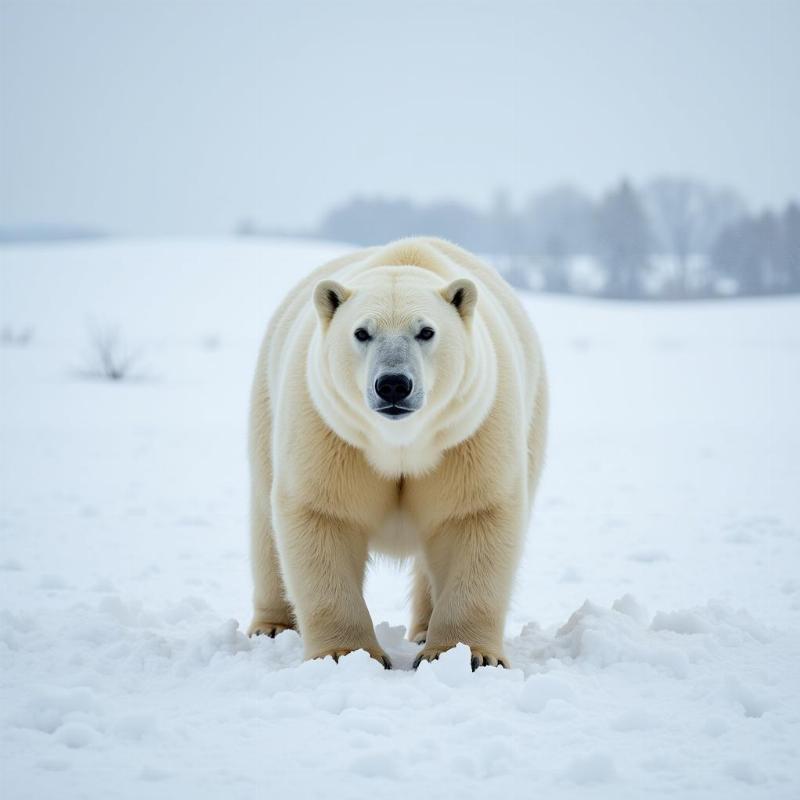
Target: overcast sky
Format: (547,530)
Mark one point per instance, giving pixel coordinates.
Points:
(154,117)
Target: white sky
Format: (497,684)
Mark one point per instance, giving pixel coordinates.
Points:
(179,116)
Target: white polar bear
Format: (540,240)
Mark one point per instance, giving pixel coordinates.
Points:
(399,405)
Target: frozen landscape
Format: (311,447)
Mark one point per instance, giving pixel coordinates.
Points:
(654,631)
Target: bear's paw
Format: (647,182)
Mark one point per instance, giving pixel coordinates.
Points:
(337,653)
(271,629)
(479,657)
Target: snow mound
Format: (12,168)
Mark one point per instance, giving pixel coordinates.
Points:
(154,685)
(594,768)
(595,637)
(124,669)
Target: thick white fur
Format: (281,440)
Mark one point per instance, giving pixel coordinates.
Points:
(451,484)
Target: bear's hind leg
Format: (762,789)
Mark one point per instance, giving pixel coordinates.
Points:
(272,612)
(421,604)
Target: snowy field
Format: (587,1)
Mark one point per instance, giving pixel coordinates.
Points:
(654,632)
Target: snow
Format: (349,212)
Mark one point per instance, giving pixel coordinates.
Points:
(654,630)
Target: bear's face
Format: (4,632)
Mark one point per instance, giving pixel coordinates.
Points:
(394,345)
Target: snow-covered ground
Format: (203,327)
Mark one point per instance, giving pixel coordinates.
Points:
(654,631)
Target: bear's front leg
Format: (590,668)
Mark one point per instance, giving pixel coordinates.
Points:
(472,561)
(323,560)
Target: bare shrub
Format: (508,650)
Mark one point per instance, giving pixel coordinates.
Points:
(15,337)
(211,341)
(109,357)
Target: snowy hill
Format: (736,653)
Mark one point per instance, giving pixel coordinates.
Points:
(654,630)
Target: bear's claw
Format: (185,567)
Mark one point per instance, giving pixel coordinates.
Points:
(378,656)
(271,629)
(479,659)
(420,637)
(424,657)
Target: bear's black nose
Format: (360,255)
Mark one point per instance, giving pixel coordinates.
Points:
(393,387)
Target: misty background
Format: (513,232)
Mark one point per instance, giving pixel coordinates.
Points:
(633,149)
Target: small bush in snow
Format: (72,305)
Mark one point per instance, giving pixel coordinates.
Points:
(109,357)
(15,337)
(211,341)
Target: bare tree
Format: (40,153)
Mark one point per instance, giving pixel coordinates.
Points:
(789,250)
(16,337)
(557,225)
(109,357)
(748,251)
(686,217)
(623,240)
(562,214)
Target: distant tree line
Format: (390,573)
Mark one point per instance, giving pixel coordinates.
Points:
(673,237)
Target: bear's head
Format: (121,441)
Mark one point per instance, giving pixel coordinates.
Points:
(393,350)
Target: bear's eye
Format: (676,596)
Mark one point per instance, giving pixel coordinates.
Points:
(425,334)
(362,335)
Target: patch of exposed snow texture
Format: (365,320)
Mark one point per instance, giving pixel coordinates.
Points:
(654,630)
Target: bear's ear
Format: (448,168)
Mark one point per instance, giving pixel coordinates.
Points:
(463,294)
(328,296)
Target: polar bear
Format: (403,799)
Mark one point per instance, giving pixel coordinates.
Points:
(399,406)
